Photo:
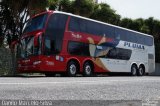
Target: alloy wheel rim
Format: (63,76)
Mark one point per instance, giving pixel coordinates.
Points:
(73,69)
(88,69)
(134,71)
(141,71)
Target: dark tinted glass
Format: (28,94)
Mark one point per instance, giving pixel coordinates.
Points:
(83,25)
(54,33)
(140,39)
(123,54)
(133,37)
(112,54)
(119,53)
(94,28)
(108,31)
(74,24)
(90,27)
(35,23)
(120,33)
(130,36)
(27,47)
(149,41)
(78,48)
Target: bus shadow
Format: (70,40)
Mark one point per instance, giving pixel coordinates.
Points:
(21,76)
(65,76)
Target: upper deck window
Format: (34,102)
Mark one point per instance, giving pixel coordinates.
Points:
(54,33)
(35,23)
(86,26)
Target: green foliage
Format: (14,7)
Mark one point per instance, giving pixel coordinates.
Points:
(137,24)
(53,4)
(83,7)
(14,14)
(65,5)
(126,22)
(103,12)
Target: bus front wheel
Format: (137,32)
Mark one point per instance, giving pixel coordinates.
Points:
(72,69)
(134,70)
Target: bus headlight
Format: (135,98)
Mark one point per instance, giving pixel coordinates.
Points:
(36,62)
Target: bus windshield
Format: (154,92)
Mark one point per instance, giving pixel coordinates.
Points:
(27,48)
(35,23)
(54,34)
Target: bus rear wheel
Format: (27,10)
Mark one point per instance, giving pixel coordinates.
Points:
(87,69)
(72,69)
(134,70)
(141,71)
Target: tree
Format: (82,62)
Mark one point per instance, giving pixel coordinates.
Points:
(14,15)
(103,12)
(53,4)
(126,23)
(83,7)
(150,23)
(65,5)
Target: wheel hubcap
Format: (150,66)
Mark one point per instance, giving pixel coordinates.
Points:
(73,69)
(88,69)
(134,71)
(141,71)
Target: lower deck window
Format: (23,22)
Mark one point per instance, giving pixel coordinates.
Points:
(78,48)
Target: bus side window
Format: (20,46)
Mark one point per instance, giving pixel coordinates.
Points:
(74,24)
(112,54)
(78,48)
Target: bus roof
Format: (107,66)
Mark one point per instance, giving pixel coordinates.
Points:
(70,14)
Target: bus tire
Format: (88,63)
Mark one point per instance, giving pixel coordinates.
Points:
(87,69)
(134,70)
(141,70)
(72,69)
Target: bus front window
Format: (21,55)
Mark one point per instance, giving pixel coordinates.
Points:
(27,47)
(36,23)
(54,33)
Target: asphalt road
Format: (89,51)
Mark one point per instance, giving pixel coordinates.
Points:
(80,88)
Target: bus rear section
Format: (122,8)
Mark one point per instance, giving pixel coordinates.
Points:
(58,42)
